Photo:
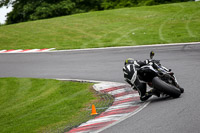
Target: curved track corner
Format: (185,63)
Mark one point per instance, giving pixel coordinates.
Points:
(126,104)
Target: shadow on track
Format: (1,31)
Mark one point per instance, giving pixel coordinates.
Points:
(161,99)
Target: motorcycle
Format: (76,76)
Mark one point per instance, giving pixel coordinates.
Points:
(158,77)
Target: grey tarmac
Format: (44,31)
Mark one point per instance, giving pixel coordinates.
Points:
(181,115)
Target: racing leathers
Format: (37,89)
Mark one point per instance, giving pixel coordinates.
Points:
(140,87)
(130,75)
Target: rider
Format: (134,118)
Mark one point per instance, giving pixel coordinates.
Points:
(140,87)
(130,75)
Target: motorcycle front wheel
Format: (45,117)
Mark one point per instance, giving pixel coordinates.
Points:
(166,88)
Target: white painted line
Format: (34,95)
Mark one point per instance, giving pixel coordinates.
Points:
(117,91)
(104,48)
(15,51)
(126,96)
(80,80)
(82,132)
(27,50)
(2,51)
(123,105)
(125,47)
(120,106)
(31,50)
(46,50)
(104,119)
(123,118)
(103,85)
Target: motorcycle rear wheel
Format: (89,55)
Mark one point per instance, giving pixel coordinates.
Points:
(168,89)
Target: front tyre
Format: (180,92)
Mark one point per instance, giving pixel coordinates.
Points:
(168,89)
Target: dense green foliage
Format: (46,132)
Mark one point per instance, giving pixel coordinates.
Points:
(41,105)
(26,10)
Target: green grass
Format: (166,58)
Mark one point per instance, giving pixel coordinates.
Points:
(168,23)
(39,105)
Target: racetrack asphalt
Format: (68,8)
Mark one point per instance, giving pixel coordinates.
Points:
(181,115)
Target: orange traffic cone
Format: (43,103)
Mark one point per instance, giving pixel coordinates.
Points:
(94,112)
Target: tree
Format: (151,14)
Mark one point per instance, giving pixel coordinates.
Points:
(26,10)
(39,9)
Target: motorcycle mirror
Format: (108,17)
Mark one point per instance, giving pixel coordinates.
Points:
(152,54)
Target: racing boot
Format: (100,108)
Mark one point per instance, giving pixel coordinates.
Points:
(145,97)
(149,94)
(154,92)
(141,88)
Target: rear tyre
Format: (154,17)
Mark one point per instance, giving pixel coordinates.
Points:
(182,90)
(168,89)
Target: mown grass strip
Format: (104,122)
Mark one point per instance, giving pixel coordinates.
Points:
(43,105)
(168,23)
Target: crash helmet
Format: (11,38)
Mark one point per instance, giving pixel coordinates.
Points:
(129,61)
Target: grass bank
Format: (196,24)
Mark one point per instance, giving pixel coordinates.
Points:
(42,105)
(168,23)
